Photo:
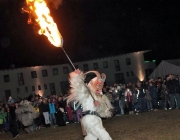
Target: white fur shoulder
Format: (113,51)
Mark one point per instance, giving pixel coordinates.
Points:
(78,89)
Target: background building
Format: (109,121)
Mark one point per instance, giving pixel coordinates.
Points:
(46,80)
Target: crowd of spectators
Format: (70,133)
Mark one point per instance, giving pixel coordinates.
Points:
(145,96)
(130,98)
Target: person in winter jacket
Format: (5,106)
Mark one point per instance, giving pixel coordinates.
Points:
(141,96)
(52,111)
(154,96)
(128,99)
(149,100)
(165,97)
(45,110)
(174,90)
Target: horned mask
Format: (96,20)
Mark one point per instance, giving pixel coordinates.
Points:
(96,84)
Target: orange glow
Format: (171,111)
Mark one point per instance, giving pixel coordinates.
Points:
(38,9)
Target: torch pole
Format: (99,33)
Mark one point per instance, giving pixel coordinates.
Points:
(68,58)
(75,69)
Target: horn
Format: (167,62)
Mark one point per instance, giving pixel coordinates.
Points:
(95,72)
(103,76)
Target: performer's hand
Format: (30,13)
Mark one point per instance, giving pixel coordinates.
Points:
(77,71)
(96,103)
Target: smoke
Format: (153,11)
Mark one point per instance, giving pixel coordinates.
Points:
(55,3)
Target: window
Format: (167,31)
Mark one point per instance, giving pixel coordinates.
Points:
(52,88)
(39,87)
(33,88)
(6,78)
(45,86)
(18,91)
(7,94)
(20,79)
(26,89)
(33,74)
(95,65)
(117,66)
(128,61)
(85,66)
(119,78)
(127,74)
(132,73)
(64,86)
(55,71)
(105,64)
(44,73)
(65,70)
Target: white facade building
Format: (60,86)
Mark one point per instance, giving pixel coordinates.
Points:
(46,80)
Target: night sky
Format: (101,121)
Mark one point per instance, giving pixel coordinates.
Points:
(91,29)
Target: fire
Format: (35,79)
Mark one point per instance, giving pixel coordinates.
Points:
(39,10)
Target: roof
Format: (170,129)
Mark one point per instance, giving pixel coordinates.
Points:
(166,67)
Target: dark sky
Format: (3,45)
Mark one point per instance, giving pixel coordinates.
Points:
(91,29)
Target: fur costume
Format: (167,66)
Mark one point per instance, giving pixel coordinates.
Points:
(26,114)
(95,108)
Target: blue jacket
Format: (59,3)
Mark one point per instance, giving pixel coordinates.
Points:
(52,109)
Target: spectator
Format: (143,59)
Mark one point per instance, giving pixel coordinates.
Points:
(121,97)
(10,100)
(135,102)
(45,110)
(52,111)
(174,90)
(141,97)
(128,99)
(149,100)
(154,96)
(69,113)
(164,97)
(13,121)
(78,111)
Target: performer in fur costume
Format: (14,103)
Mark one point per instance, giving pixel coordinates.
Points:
(26,114)
(95,104)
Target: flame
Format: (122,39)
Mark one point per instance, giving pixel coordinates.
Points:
(38,9)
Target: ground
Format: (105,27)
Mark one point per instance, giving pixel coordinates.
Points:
(155,125)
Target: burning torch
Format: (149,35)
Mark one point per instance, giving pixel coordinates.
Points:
(39,10)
